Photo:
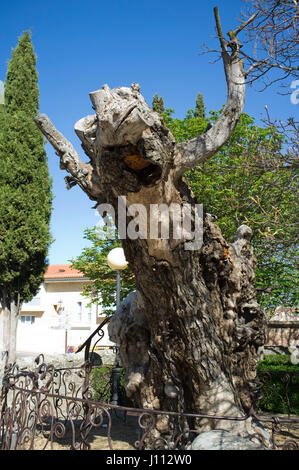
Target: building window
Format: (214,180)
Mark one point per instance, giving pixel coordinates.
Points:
(79,306)
(89,313)
(28,319)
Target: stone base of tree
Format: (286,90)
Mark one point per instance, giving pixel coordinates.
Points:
(223,440)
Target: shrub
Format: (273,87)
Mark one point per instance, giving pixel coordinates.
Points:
(101,383)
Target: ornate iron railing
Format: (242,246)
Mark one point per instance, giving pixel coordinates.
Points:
(55,408)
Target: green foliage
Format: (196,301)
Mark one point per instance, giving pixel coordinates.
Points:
(101,383)
(158,104)
(25,186)
(277,362)
(281,384)
(187,128)
(93,264)
(21,90)
(200,109)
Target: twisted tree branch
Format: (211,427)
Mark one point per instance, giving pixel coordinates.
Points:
(82,173)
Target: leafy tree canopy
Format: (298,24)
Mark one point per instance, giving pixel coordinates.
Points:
(250,181)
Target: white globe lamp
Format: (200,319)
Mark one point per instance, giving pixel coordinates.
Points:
(116,259)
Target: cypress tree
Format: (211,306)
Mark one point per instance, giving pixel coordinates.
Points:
(200,109)
(158,104)
(25,192)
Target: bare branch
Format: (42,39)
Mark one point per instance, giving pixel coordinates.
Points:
(70,161)
(246,23)
(272,32)
(222,41)
(191,153)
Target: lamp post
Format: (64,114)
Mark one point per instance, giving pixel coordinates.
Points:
(63,322)
(116,260)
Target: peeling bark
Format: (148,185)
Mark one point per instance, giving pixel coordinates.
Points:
(189,335)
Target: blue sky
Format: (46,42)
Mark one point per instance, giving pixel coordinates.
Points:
(81,45)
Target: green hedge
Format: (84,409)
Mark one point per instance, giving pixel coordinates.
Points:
(100,383)
(281,384)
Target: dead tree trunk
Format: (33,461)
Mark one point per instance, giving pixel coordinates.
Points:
(189,337)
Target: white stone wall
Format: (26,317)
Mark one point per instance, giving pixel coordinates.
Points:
(54,333)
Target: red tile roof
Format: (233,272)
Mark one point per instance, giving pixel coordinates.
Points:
(62,271)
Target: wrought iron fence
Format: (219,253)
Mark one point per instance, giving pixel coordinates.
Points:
(55,408)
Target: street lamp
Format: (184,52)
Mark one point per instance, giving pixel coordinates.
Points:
(63,321)
(116,260)
(59,306)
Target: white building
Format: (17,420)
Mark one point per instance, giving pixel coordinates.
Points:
(45,327)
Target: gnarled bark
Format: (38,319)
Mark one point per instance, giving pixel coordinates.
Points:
(189,336)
